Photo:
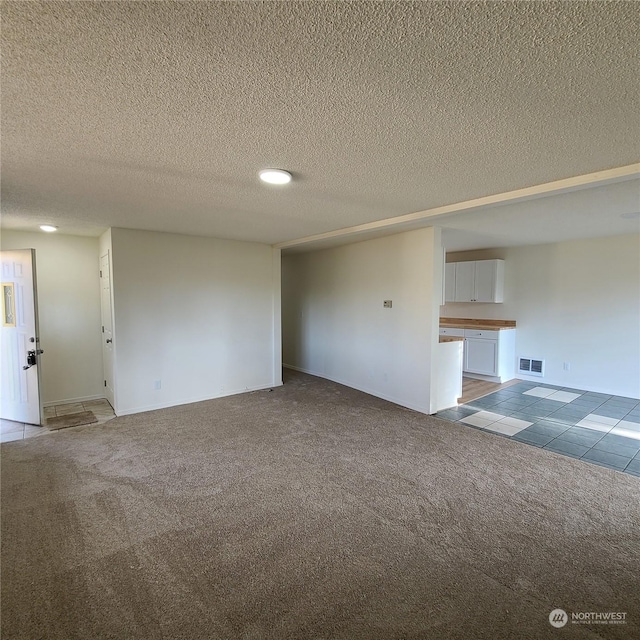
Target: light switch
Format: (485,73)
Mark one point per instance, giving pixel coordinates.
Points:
(387,304)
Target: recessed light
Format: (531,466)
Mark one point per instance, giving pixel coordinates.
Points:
(49,228)
(275,176)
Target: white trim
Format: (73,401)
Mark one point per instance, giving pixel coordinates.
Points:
(599,178)
(481,376)
(407,405)
(52,403)
(167,405)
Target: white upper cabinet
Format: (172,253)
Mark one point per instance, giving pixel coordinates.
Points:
(449,281)
(474,281)
(465,281)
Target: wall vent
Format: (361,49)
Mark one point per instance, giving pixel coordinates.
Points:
(531,367)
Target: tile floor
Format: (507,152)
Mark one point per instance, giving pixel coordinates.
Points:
(595,427)
(10,431)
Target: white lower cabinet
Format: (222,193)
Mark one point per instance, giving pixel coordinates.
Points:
(481,356)
(490,354)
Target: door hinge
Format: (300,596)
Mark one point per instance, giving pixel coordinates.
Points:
(102,328)
(105,383)
(101,273)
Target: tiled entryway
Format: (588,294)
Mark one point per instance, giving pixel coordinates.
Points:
(10,431)
(595,427)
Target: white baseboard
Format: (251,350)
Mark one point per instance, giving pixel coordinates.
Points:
(372,392)
(166,405)
(480,376)
(51,403)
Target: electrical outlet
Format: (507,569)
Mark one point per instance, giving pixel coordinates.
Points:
(157,384)
(566,366)
(387,304)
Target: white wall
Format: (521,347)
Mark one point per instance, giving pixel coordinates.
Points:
(69,311)
(335,326)
(575,302)
(197,314)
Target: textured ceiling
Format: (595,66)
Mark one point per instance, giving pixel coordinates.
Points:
(159,115)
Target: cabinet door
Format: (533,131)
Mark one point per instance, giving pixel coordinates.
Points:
(485,279)
(465,274)
(450,282)
(481,356)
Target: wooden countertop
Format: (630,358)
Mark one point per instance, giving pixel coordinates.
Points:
(451,339)
(469,323)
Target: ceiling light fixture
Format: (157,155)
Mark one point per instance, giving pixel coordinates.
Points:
(275,176)
(49,228)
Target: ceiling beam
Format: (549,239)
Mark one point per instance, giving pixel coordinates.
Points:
(596,179)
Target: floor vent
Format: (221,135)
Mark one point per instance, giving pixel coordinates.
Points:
(531,367)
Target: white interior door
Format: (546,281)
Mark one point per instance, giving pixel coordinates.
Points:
(107,326)
(19,341)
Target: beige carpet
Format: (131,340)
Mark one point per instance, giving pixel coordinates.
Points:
(312,511)
(71,420)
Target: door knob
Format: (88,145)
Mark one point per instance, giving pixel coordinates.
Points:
(109,340)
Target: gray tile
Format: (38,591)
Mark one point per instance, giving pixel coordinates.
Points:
(533,414)
(634,466)
(602,464)
(509,405)
(452,414)
(524,416)
(632,473)
(618,444)
(567,448)
(32,432)
(551,405)
(571,410)
(552,429)
(610,412)
(610,459)
(570,390)
(593,394)
(625,402)
(568,421)
(530,400)
(10,437)
(584,437)
(464,410)
(630,417)
(610,404)
(482,404)
(9,426)
(521,387)
(582,402)
(503,396)
(532,437)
